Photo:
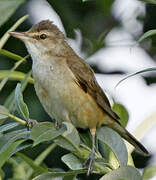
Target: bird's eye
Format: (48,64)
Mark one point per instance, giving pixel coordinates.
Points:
(43,36)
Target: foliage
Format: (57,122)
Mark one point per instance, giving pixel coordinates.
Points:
(17,141)
(149,1)
(7,8)
(136,73)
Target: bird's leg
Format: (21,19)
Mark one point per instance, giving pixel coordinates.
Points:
(90,158)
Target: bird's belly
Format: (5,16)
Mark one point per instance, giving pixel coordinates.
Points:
(71,104)
(86,113)
(64,100)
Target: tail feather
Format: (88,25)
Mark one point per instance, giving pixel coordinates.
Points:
(130,138)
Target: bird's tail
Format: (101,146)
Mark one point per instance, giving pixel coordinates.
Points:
(129,137)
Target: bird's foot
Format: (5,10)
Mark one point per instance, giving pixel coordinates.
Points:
(31,123)
(90,160)
(57,125)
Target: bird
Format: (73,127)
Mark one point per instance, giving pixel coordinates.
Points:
(66,85)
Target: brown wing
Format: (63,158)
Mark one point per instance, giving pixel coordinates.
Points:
(88,83)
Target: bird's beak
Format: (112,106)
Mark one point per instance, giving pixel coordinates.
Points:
(19,35)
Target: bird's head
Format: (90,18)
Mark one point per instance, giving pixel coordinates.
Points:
(41,38)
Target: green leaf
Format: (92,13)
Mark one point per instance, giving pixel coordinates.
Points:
(115,142)
(72,177)
(44,132)
(4,156)
(85,137)
(6,137)
(122,113)
(5,37)
(5,79)
(15,75)
(9,103)
(72,161)
(149,1)
(21,106)
(50,175)
(2,174)
(136,73)
(7,8)
(104,165)
(104,150)
(70,139)
(3,112)
(19,168)
(11,55)
(123,173)
(22,146)
(41,158)
(147,34)
(9,138)
(8,126)
(149,172)
(31,163)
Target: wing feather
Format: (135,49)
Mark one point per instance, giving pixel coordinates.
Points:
(86,79)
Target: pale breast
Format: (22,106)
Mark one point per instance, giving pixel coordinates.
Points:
(61,97)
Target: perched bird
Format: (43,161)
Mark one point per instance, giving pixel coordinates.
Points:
(66,85)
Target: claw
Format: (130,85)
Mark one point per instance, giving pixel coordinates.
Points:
(31,123)
(57,125)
